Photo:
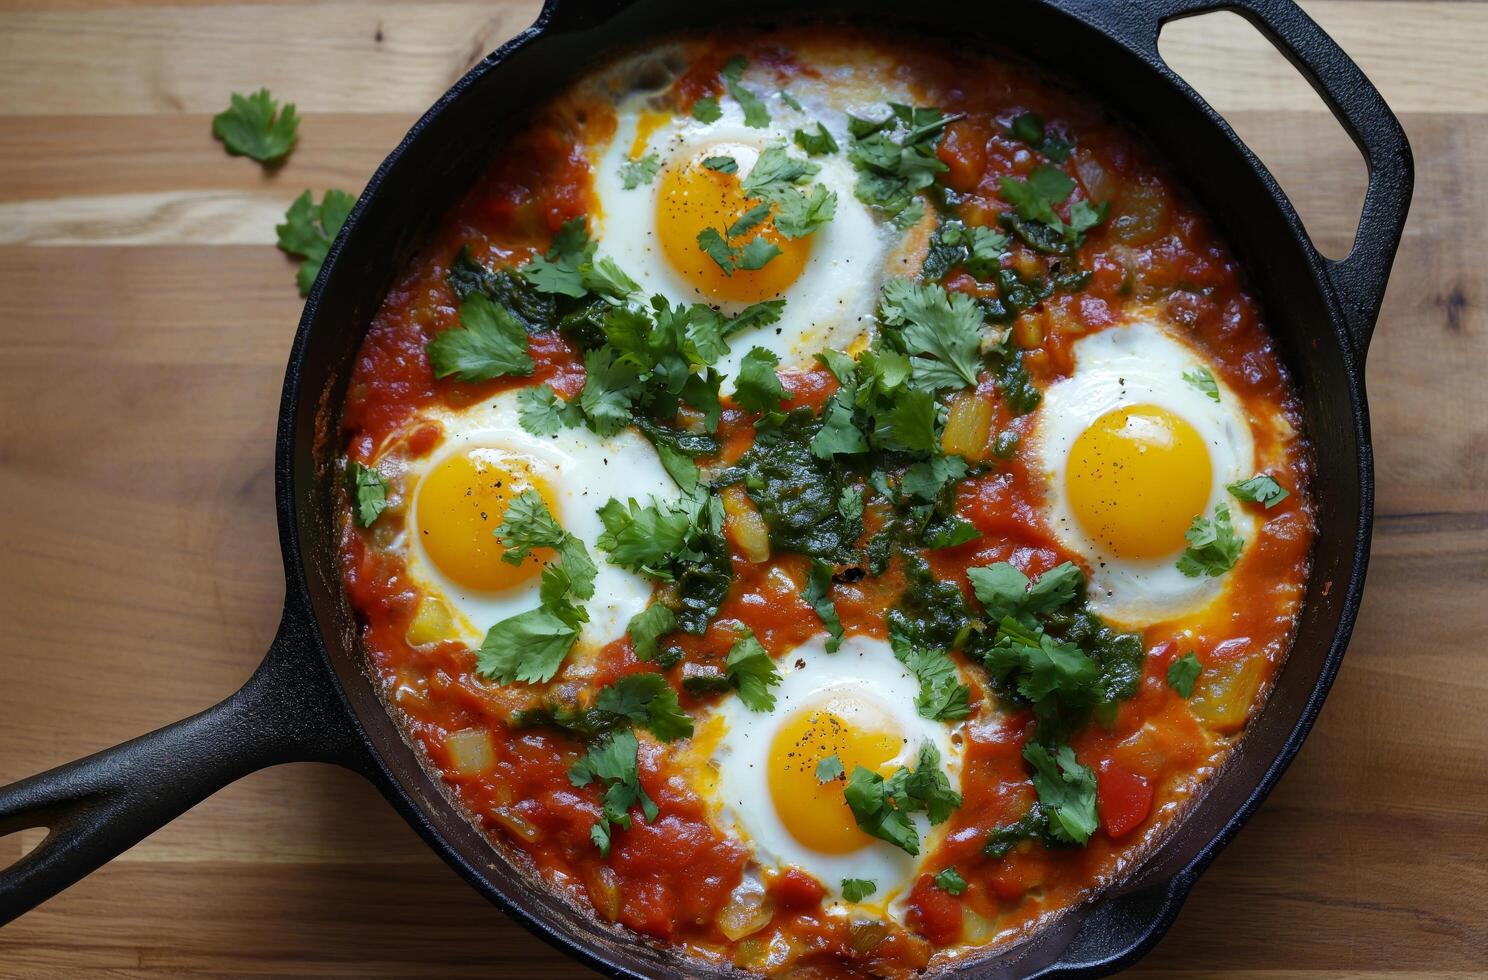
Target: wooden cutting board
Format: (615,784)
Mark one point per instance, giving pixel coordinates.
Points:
(145,318)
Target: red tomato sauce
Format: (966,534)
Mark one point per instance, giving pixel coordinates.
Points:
(670,878)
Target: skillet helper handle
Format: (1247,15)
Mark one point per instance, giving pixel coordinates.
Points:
(97,808)
(1359,278)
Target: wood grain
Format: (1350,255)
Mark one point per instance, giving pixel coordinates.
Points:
(144,323)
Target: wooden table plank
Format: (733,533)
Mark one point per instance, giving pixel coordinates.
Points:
(140,362)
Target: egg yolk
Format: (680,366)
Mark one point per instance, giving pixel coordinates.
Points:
(461,502)
(816,813)
(694,198)
(1135,479)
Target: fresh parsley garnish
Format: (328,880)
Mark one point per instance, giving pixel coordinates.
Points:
(1213,545)
(816,142)
(857,889)
(755,113)
(829,769)
(895,159)
(1034,219)
(819,590)
(368,492)
(634,173)
(255,126)
(543,413)
(647,627)
(1029,127)
(309,229)
(1260,489)
(941,331)
(707,110)
(680,542)
(531,645)
(612,762)
(1066,791)
(488,343)
(757,388)
(1183,672)
(568,268)
(751,671)
(881,807)
(1203,379)
(649,701)
(951,881)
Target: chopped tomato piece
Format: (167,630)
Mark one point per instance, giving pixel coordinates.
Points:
(934,912)
(1123,798)
(796,890)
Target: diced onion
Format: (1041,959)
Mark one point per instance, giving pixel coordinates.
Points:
(431,623)
(748,910)
(1225,692)
(865,934)
(967,427)
(470,751)
(745,525)
(517,824)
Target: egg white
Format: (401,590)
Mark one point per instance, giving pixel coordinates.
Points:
(1133,364)
(865,672)
(829,305)
(583,472)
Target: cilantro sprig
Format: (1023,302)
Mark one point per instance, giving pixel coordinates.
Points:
(895,159)
(368,492)
(1260,489)
(882,807)
(1034,218)
(488,343)
(531,646)
(309,229)
(1213,546)
(613,764)
(1066,791)
(752,673)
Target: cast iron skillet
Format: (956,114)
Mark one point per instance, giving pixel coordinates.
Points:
(312,700)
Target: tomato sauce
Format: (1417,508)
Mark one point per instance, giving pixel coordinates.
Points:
(669,879)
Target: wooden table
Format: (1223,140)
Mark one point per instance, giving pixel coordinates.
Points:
(144,322)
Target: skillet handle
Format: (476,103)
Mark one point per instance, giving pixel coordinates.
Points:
(1359,278)
(97,808)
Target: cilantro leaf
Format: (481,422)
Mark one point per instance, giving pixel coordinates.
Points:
(646,539)
(1213,546)
(950,881)
(819,595)
(755,113)
(543,413)
(881,807)
(857,889)
(707,110)
(1029,127)
(776,172)
(942,331)
(368,492)
(647,627)
(612,384)
(839,434)
(722,164)
(802,212)
(1066,791)
(527,524)
(568,268)
(634,173)
(892,172)
(816,143)
(829,769)
(1260,489)
(649,701)
(757,388)
(909,423)
(977,249)
(942,695)
(1005,591)
(752,672)
(309,229)
(1203,379)
(757,254)
(528,647)
(716,247)
(1183,672)
(254,126)
(1034,219)
(489,343)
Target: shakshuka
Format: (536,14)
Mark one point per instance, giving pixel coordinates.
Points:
(826,503)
